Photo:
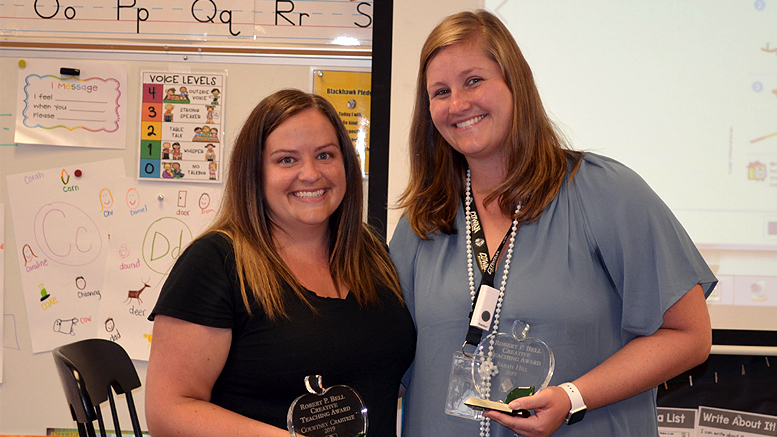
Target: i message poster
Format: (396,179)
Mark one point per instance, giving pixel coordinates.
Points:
(65,102)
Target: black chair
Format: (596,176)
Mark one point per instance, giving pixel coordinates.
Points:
(90,371)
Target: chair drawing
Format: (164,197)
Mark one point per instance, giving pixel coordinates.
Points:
(91,371)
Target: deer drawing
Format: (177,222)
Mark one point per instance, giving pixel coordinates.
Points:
(135,294)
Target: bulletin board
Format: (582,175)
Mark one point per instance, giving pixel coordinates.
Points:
(31,396)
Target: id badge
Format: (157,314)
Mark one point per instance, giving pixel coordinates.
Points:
(461,387)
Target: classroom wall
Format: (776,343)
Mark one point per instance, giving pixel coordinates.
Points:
(31,396)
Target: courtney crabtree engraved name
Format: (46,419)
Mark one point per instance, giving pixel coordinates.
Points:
(337,410)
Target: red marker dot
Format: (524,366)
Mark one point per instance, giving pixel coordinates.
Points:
(77,173)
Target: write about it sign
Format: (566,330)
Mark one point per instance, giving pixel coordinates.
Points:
(709,421)
(248,22)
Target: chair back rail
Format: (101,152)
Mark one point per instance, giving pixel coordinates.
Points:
(91,371)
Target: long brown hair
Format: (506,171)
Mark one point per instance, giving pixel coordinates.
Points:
(537,156)
(358,258)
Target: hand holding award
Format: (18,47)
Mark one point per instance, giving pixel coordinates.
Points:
(508,366)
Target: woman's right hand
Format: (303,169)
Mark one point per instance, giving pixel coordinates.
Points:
(550,406)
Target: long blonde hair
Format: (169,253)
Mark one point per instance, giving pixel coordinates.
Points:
(537,156)
(358,258)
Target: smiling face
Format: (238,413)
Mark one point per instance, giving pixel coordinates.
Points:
(27,253)
(106,198)
(304,173)
(204,201)
(469,101)
(133,198)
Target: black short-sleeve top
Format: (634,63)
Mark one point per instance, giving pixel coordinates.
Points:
(367,348)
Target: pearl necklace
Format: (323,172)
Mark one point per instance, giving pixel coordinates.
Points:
(485,423)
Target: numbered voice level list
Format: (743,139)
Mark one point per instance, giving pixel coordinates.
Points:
(181,131)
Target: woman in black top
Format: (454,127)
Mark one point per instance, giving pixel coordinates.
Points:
(287,282)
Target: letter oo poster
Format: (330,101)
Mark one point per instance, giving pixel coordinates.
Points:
(182,127)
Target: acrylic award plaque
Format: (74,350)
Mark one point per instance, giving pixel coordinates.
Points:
(337,411)
(505,364)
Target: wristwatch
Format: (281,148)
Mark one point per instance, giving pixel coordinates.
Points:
(577,412)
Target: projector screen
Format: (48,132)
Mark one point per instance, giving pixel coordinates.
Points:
(684,93)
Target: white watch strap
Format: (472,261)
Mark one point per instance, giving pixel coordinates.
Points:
(574,396)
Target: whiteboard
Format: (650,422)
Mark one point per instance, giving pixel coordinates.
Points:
(684,93)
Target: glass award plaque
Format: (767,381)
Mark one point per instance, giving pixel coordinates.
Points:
(337,411)
(507,366)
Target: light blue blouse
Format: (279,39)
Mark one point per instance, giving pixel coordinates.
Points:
(600,267)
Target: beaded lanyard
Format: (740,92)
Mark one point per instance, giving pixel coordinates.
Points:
(485,423)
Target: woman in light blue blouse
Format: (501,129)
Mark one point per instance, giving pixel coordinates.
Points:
(587,254)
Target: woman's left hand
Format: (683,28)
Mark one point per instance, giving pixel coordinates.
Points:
(550,409)
(682,342)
